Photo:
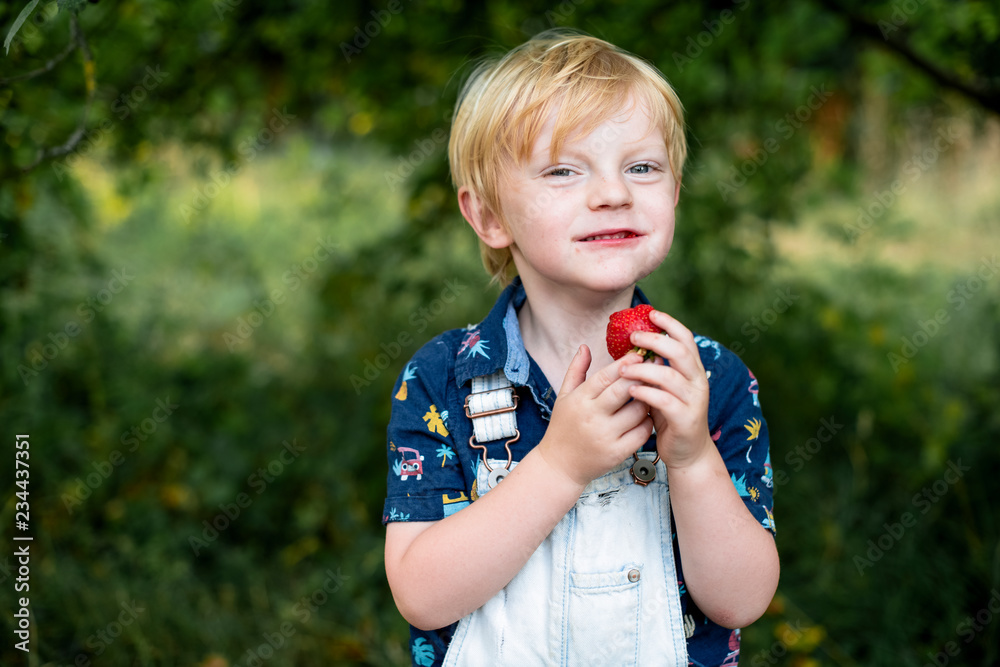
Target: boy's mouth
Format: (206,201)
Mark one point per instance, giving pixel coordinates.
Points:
(623,234)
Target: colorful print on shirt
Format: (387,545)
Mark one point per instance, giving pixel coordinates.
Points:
(431,468)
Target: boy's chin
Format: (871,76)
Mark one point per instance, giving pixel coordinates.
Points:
(613,284)
(606,280)
(624,278)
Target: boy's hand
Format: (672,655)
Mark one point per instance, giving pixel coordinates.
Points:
(677,394)
(594,427)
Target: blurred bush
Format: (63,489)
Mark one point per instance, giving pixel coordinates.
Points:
(204,307)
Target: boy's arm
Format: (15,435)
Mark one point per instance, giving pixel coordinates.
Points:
(443,570)
(730,560)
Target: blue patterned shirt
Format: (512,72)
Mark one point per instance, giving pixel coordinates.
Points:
(432,468)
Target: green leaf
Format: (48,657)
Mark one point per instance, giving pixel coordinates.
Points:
(21,18)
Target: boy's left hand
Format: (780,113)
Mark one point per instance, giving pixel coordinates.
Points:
(677,395)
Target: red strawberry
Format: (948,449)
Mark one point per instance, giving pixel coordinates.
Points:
(622,324)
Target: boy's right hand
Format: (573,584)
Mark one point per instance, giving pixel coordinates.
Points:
(594,427)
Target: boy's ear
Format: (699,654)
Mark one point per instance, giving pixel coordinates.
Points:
(484,222)
(677,193)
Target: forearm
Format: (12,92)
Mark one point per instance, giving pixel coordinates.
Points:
(457,564)
(730,560)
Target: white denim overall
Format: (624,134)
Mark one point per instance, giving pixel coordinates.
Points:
(600,590)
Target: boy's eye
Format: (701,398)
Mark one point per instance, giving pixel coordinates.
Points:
(640,169)
(561,171)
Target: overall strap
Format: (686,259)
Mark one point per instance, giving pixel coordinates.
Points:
(491,406)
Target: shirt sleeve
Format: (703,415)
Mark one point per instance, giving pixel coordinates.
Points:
(425,480)
(738,427)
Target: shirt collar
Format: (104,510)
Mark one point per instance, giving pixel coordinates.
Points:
(496,342)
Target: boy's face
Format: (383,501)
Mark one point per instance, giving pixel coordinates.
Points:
(598,218)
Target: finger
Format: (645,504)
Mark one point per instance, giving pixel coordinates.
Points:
(664,378)
(611,389)
(630,415)
(670,405)
(607,376)
(576,374)
(682,357)
(633,439)
(671,325)
(676,330)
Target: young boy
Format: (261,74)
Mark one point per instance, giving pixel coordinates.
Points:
(517,532)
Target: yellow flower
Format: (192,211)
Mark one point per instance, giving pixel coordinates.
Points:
(753,425)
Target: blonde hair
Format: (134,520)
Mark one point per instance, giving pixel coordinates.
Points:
(505,102)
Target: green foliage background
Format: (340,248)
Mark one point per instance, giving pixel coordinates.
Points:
(329,241)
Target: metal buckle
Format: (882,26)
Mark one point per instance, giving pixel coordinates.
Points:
(496,476)
(489,413)
(510,455)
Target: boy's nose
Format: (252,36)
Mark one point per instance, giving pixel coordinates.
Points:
(609,192)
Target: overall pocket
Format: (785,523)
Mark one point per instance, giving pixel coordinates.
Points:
(603,617)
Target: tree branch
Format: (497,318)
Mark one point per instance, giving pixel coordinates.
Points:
(77,40)
(979,92)
(45,68)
